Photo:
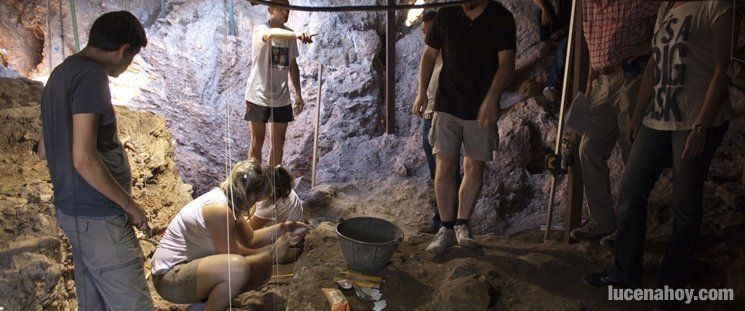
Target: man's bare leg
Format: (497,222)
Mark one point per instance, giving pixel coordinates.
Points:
(258,131)
(246,273)
(470,189)
(277,133)
(446,187)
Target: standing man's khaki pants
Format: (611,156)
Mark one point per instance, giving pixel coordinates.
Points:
(612,96)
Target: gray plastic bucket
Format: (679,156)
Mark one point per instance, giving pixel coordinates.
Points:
(368,243)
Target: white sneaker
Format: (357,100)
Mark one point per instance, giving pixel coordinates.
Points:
(463,235)
(551,94)
(445,238)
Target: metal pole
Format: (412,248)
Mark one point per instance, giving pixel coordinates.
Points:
(162,8)
(735,35)
(74,25)
(390,70)
(316,123)
(49,33)
(560,131)
(61,29)
(232,18)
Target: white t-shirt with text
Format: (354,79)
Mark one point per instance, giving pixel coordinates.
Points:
(685,65)
(268,81)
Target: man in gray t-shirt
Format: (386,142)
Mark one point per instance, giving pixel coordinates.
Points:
(90,171)
(78,86)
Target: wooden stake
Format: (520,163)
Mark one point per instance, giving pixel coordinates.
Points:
(560,130)
(316,122)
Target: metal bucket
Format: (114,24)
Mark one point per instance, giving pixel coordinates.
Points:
(368,242)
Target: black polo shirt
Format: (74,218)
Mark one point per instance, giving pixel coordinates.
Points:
(470,55)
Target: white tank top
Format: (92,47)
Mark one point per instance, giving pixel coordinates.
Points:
(187,237)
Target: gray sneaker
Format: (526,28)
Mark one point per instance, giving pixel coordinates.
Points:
(445,238)
(464,238)
(591,231)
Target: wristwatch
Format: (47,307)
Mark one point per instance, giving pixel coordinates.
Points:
(699,128)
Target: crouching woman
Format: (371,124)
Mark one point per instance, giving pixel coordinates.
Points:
(209,251)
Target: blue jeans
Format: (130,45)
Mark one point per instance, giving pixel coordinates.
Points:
(561,13)
(653,151)
(556,74)
(427,147)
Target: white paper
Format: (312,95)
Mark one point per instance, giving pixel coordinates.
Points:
(578,115)
(379,305)
(375,294)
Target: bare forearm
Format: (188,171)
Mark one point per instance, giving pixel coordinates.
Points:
(240,249)
(264,236)
(243,231)
(279,34)
(94,172)
(715,94)
(426,67)
(295,78)
(500,82)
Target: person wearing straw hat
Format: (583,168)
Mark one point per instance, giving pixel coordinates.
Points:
(210,252)
(273,52)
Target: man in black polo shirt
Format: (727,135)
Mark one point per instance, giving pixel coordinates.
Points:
(478,52)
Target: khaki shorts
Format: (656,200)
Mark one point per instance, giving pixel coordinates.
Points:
(179,285)
(449,132)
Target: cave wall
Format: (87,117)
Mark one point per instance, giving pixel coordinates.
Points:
(194,74)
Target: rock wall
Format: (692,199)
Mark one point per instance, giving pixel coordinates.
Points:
(35,262)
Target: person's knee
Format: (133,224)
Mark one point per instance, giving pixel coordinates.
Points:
(279,141)
(240,272)
(631,204)
(278,144)
(257,140)
(446,167)
(473,167)
(588,151)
